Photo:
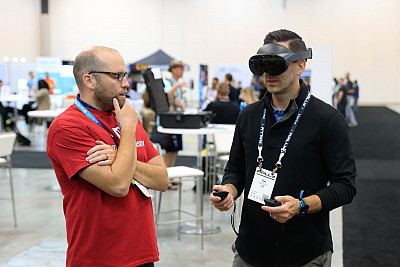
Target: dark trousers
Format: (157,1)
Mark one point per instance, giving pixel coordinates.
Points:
(25,109)
(6,113)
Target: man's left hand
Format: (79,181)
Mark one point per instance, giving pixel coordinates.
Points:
(289,208)
(102,154)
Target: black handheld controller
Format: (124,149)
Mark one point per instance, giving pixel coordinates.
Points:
(221,194)
(271,202)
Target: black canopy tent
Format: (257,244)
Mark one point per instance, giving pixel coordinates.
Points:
(159,60)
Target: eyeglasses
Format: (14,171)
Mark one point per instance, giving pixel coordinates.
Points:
(119,76)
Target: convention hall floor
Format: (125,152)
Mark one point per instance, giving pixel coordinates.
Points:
(39,239)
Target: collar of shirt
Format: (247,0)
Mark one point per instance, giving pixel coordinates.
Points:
(86,105)
(277,113)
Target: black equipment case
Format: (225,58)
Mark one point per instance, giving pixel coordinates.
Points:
(171,119)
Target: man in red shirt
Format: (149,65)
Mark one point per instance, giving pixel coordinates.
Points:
(109,217)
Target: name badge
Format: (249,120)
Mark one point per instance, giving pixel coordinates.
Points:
(262,185)
(142,188)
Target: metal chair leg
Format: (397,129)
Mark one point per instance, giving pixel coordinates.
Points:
(179,208)
(158,209)
(12,193)
(201,214)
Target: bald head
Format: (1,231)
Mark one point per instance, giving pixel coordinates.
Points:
(89,60)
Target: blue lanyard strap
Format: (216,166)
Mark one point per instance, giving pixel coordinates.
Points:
(93,118)
(278,164)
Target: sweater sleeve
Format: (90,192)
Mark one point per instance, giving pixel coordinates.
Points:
(338,160)
(235,168)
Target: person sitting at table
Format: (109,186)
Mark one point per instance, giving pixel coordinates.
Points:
(5,112)
(42,101)
(225,111)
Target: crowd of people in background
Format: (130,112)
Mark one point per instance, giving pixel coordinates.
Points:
(345,95)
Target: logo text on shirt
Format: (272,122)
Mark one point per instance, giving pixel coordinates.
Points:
(139,143)
(117,131)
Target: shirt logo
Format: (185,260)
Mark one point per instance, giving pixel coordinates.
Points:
(139,144)
(117,131)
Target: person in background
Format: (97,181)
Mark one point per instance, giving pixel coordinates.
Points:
(233,92)
(335,91)
(225,111)
(42,97)
(350,117)
(31,84)
(50,82)
(355,96)
(248,95)
(291,157)
(210,92)
(108,211)
(342,97)
(174,89)
(5,112)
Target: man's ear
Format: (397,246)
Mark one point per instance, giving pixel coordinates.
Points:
(89,81)
(301,66)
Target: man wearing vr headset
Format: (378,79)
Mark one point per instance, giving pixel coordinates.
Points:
(286,149)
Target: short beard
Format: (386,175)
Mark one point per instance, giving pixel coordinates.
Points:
(103,98)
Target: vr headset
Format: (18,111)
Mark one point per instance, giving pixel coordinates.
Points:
(274,59)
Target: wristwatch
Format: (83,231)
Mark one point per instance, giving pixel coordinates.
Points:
(303,207)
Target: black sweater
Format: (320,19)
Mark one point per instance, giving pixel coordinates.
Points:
(319,153)
(225,112)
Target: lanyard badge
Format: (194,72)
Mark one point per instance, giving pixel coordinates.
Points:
(264,180)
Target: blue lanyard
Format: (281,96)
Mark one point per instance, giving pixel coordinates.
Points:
(278,164)
(93,118)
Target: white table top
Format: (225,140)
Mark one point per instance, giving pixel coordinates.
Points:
(51,113)
(13,98)
(210,129)
(183,172)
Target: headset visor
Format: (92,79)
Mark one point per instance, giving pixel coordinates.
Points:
(274,59)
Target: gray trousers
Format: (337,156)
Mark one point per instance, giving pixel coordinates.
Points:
(350,117)
(321,261)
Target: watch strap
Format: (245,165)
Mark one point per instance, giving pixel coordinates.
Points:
(303,207)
